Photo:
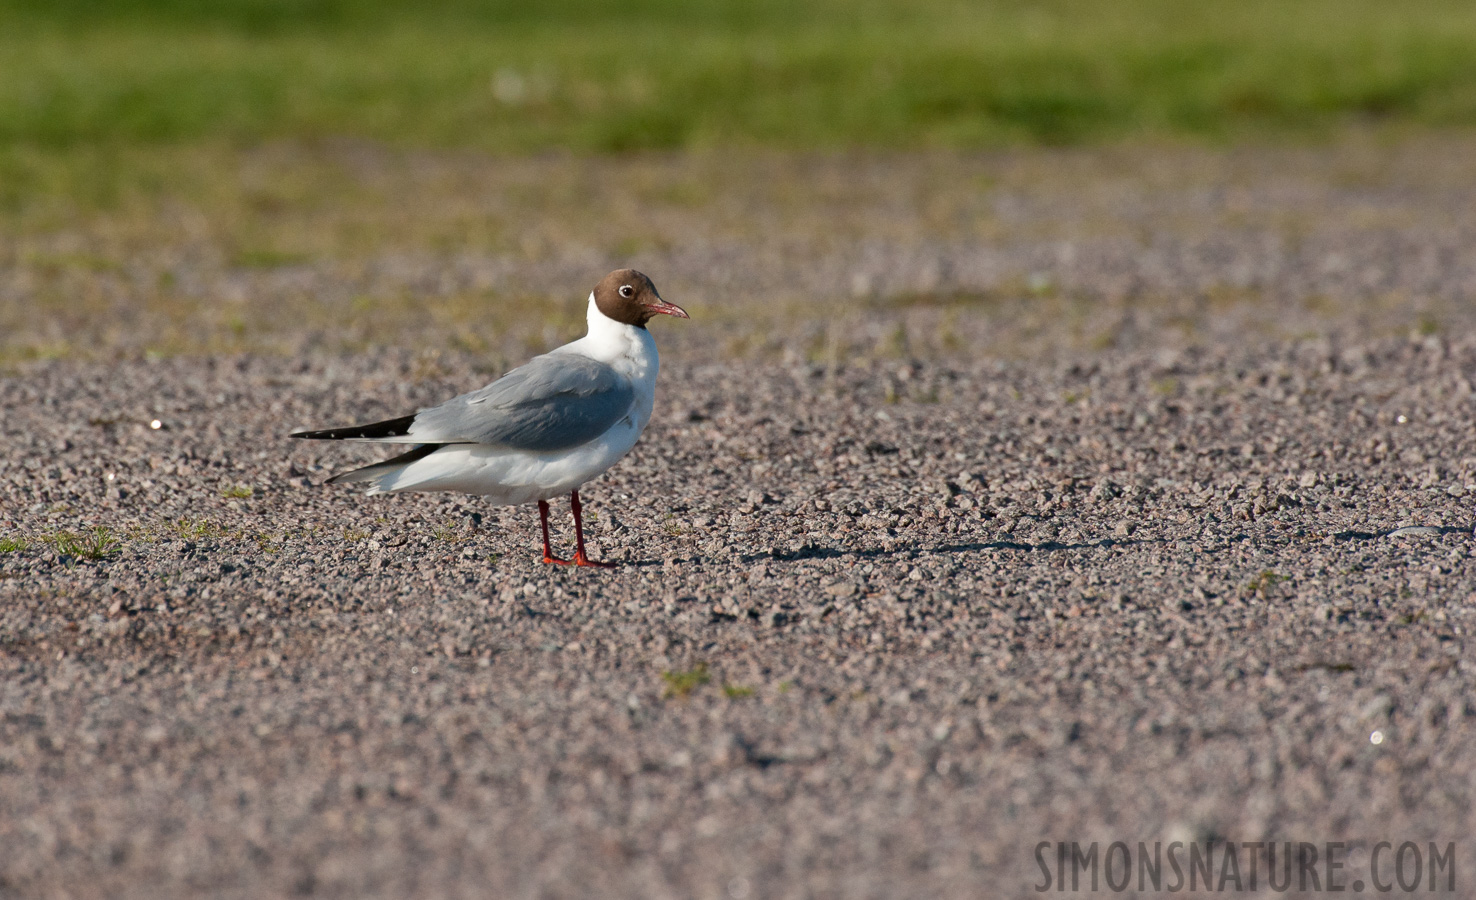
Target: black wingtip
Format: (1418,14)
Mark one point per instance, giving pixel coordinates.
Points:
(387,429)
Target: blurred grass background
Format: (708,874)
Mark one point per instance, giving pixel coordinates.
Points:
(602,76)
(84,82)
(153,150)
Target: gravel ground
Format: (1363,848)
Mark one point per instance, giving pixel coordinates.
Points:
(883,623)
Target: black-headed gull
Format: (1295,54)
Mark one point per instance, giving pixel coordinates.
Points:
(541,430)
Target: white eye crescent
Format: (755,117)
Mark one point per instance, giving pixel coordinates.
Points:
(627,291)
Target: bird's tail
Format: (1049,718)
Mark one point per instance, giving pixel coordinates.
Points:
(381,471)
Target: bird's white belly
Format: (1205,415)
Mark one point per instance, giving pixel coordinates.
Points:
(511,477)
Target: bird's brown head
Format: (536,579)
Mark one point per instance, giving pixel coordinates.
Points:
(627,296)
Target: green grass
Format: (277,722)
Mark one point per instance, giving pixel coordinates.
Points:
(682,684)
(450,532)
(595,75)
(1264,582)
(267,259)
(194,529)
(93,543)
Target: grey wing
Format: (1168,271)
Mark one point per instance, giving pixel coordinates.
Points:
(554,402)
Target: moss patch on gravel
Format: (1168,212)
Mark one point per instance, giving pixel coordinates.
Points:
(682,683)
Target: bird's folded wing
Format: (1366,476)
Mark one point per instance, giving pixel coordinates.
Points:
(554,402)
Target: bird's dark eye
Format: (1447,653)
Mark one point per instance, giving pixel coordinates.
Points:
(627,291)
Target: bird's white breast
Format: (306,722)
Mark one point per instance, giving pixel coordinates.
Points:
(630,351)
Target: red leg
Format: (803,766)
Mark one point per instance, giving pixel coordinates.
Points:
(580,559)
(548,556)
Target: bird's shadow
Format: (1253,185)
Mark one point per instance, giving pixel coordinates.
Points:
(912,549)
(1441,530)
(907,550)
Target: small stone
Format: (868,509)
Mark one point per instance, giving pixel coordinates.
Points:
(1415,531)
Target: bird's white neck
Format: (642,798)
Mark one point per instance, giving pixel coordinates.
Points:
(609,340)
